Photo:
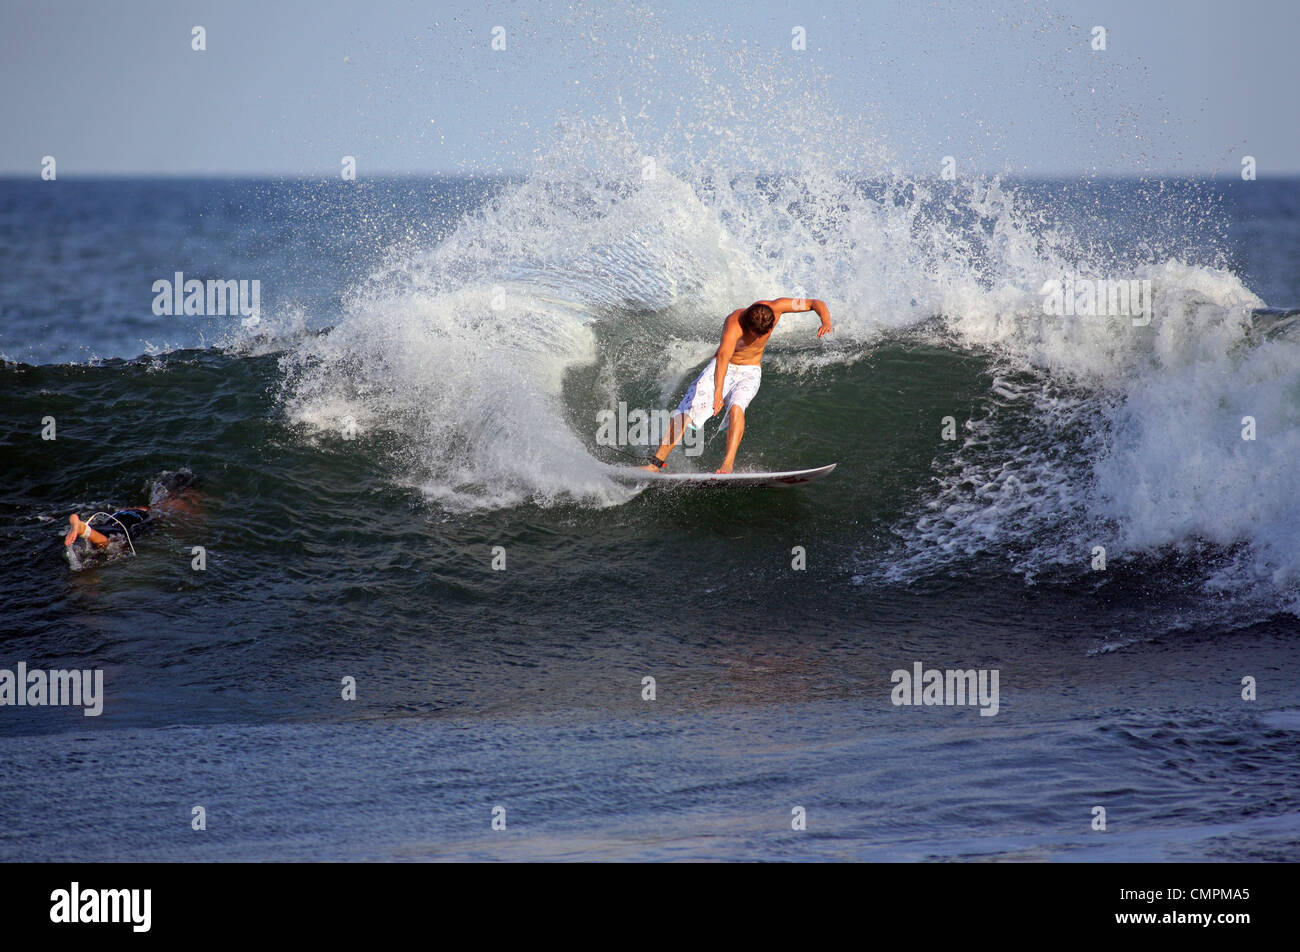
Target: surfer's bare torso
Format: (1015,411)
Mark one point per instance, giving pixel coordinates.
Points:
(748,347)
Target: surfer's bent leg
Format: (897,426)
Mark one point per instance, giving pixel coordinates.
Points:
(676,430)
(695,408)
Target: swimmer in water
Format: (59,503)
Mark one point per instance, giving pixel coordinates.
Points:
(177,492)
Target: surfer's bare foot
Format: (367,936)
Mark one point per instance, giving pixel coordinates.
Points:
(723,469)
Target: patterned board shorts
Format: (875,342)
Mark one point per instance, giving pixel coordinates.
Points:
(738,388)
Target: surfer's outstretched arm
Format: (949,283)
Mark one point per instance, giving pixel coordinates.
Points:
(800,305)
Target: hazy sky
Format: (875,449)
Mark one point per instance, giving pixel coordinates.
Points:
(1000,85)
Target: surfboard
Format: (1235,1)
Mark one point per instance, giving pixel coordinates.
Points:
(791,477)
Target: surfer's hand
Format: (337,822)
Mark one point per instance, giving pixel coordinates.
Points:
(825,328)
(717,405)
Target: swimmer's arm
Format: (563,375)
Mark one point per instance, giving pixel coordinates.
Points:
(79,529)
(799,305)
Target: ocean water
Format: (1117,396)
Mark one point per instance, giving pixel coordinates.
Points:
(418,401)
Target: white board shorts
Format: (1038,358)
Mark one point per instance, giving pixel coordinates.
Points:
(738,388)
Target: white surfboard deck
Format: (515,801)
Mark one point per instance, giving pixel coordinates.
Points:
(792,477)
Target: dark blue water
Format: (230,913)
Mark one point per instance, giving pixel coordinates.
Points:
(419,393)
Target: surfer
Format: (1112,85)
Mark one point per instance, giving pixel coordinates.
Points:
(176,492)
(731,378)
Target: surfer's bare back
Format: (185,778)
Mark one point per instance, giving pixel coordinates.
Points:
(734,373)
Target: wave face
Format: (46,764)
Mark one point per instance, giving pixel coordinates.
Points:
(477,364)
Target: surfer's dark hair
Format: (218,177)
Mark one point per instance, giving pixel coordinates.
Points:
(757,319)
